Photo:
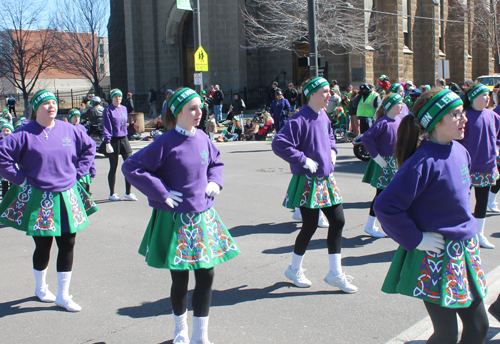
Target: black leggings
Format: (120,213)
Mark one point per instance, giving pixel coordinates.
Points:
(335,216)
(66,245)
(495,188)
(444,320)
(5,188)
(113,166)
(202,295)
(481,201)
(379,191)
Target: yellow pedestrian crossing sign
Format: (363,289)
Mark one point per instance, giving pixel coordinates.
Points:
(200,60)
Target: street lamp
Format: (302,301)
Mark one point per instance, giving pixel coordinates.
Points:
(313,50)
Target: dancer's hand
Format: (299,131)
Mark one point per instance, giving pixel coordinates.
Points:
(334,157)
(311,165)
(174,199)
(431,241)
(25,182)
(109,148)
(212,190)
(380,161)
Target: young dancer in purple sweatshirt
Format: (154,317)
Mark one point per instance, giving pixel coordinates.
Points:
(43,160)
(180,173)
(426,210)
(307,143)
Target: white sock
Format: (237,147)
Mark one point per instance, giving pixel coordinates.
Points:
(63,282)
(200,330)
(297,261)
(181,334)
(480,227)
(335,264)
(371,222)
(491,197)
(40,279)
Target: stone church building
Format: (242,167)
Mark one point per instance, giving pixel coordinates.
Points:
(151,44)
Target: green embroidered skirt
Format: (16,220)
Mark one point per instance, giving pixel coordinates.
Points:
(187,241)
(379,177)
(312,192)
(443,279)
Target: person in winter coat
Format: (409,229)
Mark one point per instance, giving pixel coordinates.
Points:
(280,108)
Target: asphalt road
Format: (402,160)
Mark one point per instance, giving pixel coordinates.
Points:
(125,301)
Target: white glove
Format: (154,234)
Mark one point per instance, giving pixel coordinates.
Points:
(109,148)
(25,182)
(311,165)
(498,150)
(334,157)
(380,161)
(212,190)
(174,199)
(431,241)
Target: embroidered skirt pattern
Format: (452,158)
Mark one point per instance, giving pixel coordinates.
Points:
(312,192)
(379,177)
(482,179)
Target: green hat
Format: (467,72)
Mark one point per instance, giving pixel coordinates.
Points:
(116,92)
(41,97)
(437,107)
(476,91)
(314,85)
(5,111)
(391,101)
(74,112)
(203,92)
(3,120)
(180,98)
(8,126)
(394,88)
(428,87)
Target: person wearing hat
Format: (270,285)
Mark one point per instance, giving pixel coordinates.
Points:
(482,142)
(364,106)
(383,85)
(307,143)
(180,173)
(380,141)
(408,87)
(426,210)
(280,108)
(400,89)
(115,142)
(6,129)
(43,160)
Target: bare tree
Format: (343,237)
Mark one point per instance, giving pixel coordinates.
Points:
(26,50)
(341,27)
(83,23)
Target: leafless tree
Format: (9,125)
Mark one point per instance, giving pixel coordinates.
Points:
(83,23)
(341,27)
(26,50)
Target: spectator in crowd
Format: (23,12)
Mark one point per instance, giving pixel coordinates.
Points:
(211,127)
(349,91)
(408,87)
(133,130)
(333,103)
(153,100)
(383,85)
(11,103)
(366,103)
(271,95)
(280,108)
(265,129)
(250,130)
(291,95)
(218,98)
(237,106)
(335,85)
(130,103)
(440,83)
(299,97)
(204,111)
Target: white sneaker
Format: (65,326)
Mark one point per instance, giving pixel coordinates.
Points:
(114,197)
(298,277)
(342,281)
(322,221)
(297,216)
(374,232)
(484,243)
(493,207)
(69,304)
(131,197)
(45,295)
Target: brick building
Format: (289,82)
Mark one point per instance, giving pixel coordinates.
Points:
(151,45)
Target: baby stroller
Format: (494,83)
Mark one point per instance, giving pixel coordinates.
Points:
(340,126)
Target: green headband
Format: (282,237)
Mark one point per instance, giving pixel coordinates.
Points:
(41,97)
(437,107)
(180,98)
(7,125)
(116,93)
(391,101)
(3,120)
(74,112)
(18,124)
(394,88)
(314,85)
(476,91)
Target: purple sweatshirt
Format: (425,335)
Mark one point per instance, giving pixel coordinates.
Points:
(92,170)
(114,122)
(381,137)
(497,110)
(176,162)
(481,138)
(306,135)
(430,193)
(53,164)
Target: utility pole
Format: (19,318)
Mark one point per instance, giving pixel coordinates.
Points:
(313,50)
(197,31)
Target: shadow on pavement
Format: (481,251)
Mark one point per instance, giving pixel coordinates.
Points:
(14,307)
(265,228)
(494,235)
(356,205)
(226,297)
(251,151)
(381,257)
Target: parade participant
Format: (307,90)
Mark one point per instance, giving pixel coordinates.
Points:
(180,173)
(6,129)
(399,89)
(481,140)
(380,141)
(43,160)
(426,210)
(115,142)
(307,143)
(86,180)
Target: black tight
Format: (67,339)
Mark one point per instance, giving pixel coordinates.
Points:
(379,191)
(481,202)
(495,188)
(113,166)
(66,245)
(202,294)
(335,216)
(444,320)
(5,188)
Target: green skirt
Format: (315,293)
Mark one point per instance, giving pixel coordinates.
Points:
(86,179)
(379,177)
(443,279)
(187,241)
(312,192)
(38,213)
